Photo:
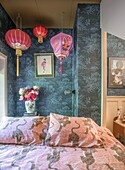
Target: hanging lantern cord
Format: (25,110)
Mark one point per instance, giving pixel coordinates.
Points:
(62,24)
(19,21)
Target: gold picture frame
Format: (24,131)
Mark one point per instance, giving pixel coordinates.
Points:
(44,65)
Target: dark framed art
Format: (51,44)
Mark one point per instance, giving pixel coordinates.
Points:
(44,65)
(116,72)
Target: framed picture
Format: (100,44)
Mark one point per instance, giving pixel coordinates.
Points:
(116,72)
(44,65)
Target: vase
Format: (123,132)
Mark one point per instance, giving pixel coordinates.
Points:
(30,106)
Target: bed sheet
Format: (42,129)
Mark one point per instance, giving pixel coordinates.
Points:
(38,157)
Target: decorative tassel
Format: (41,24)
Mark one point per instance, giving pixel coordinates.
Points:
(61,65)
(17,65)
(40,39)
(18,53)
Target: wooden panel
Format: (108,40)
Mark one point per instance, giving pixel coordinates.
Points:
(113,103)
(3,86)
(119,131)
(47,12)
(111,113)
(104,77)
(123,107)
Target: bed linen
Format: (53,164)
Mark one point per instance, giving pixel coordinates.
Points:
(109,156)
(61,158)
(23,130)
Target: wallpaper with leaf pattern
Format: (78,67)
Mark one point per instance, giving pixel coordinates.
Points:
(51,97)
(88,52)
(81,70)
(5,25)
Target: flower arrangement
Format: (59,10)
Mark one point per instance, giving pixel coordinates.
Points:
(29,93)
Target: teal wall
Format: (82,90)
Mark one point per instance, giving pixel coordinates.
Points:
(81,70)
(51,97)
(88,61)
(5,24)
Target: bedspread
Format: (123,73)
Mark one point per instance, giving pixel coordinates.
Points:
(38,157)
(58,143)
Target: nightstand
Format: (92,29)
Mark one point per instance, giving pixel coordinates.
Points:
(119,130)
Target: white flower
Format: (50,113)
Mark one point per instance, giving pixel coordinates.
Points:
(21,91)
(35,87)
(21,98)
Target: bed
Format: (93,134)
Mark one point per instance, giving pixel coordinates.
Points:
(58,142)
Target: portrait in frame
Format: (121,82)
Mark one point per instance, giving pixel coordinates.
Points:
(116,72)
(44,65)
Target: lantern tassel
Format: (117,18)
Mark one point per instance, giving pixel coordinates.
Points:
(60,66)
(40,39)
(17,65)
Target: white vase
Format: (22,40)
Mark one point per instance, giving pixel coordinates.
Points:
(30,106)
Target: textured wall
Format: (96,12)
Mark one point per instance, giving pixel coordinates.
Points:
(51,97)
(116,48)
(81,70)
(88,53)
(5,24)
(75,72)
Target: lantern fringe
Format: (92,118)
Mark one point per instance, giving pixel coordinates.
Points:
(61,59)
(17,65)
(60,67)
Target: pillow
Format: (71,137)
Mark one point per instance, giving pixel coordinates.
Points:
(71,131)
(23,130)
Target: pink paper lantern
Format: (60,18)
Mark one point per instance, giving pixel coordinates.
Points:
(41,32)
(62,45)
(18,40)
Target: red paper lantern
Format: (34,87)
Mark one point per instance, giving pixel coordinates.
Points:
(41,32)
(19,41)
(61,44)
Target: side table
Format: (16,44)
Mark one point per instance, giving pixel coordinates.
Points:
(119,130)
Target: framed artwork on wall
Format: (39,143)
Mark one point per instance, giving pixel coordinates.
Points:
(116,72)
(44,65)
